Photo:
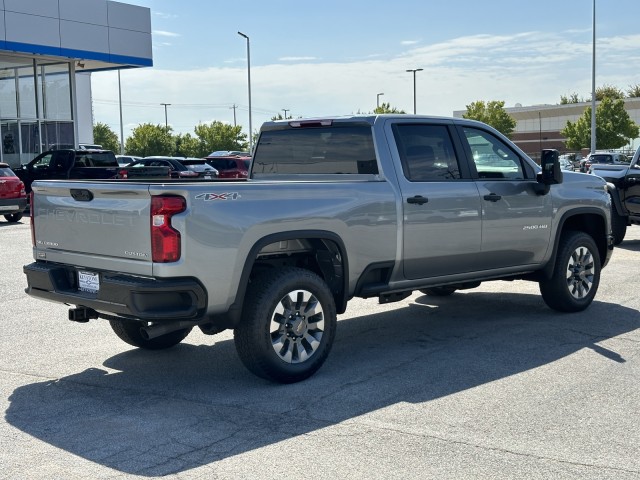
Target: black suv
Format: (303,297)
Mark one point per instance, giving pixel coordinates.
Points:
(68,164)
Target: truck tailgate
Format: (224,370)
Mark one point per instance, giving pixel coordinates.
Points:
(95,225)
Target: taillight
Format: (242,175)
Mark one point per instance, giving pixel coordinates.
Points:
(165,240)
(31,219)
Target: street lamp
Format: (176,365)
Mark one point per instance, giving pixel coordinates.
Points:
(120,106)
(249,84)
(378,100)
(593,84)
(414,70)
(166,123)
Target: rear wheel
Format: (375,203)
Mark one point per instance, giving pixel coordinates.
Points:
(129,332)
(13,217)
(288,325)
(576,275)
(438,291)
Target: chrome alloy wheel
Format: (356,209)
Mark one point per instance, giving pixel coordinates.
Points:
(580,272)
(297,326)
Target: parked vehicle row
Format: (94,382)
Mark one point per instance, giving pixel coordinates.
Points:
(604,158)
(169,167)
(215,165)
(92,163)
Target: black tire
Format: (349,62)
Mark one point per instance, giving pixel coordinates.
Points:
(129,332)
(13,217)
(277,339)
(438,291)
(618,226)
(576,275)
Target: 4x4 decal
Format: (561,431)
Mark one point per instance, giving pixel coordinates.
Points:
(218,196)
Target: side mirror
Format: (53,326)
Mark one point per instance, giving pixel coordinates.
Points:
(551,172)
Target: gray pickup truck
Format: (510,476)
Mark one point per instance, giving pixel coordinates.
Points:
(623,181)
(364,206)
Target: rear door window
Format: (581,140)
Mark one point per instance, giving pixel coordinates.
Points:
(426,152)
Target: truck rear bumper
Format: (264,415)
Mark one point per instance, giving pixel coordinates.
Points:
(118,294)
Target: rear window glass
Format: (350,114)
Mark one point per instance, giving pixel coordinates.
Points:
(222,164)
(6,172)
(326,150)
(601,159)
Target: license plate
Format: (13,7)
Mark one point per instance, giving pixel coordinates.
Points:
(88,282)
(9,207)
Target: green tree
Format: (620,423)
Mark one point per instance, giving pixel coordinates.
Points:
(608,91)
(103,135)
(186,146)
(148,139)
(572,98)
(387,108)
(219,136)
(634,91)
(492,113)
(614,127)
(280,117)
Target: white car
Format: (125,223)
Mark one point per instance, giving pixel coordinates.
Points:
(124,160)
(200,166)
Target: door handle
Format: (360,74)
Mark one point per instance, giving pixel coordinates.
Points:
(418,200)
(492,197)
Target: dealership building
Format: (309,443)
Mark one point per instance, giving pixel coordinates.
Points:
(47,50)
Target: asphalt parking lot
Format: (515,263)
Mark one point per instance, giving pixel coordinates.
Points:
(488,383)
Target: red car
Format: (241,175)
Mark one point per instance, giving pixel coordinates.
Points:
(13,197)
(231,166)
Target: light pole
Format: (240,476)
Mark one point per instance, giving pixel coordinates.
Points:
(414,70)
(166,123)
(249,84)
(378,100)
(540,131)
(120,106)
(593,84)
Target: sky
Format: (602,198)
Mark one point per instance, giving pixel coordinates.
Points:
(327,58)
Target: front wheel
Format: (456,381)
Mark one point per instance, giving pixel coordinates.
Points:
(13,217)
(576,275)
(129,332)
(288,325)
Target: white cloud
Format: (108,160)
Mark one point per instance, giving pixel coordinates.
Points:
(296,59)
(163,33)
(409,42)
(527,68)
(164,15)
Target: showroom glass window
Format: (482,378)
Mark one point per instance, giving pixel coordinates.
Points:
(35,107)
